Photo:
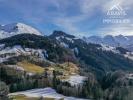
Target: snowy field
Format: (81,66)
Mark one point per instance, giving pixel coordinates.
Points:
(76,80)
(44,92)
(129,55)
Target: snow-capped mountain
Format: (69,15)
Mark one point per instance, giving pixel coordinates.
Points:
(16,28)
(63,38)
(120,40)
(76,44)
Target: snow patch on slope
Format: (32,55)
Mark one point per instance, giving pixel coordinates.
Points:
(16,67)
(76,50)
(17,50)
(44,92)
(109,48)
(76,80)
(64,45)
(129,55)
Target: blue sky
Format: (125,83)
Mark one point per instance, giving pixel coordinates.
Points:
(78,17)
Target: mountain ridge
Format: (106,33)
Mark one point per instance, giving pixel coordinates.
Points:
(116,41)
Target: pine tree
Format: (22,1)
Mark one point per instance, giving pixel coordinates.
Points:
(54,80)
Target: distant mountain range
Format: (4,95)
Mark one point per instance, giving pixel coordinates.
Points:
(100,54)
(109,40)
(116,41)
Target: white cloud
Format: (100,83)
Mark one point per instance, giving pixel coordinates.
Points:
(39,12)
(66,24)
(116,29)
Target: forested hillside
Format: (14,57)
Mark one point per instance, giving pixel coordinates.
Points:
(67,64)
